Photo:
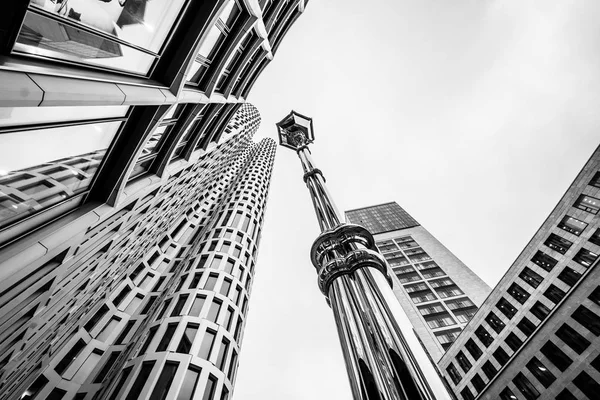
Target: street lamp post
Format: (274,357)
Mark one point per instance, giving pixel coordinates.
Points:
(353,276)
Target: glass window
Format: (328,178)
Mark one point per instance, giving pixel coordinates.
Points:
(107,366)
(71,355)
(495,322)
(595,296)
(33,180)
(473,349)
(585,257)
(540,310)
(595,238)
(595,180)
(222,355)
(188,386)
(35,388)
(587,385)
(213,312)
(484,336)
(453,373)
(197,306)
(477,382)
(569,276)
(544,261)
(556,356)
(179,305)
(588,319)
(140,381)
(558,244)
(166,339)
(15,116)
(540,372)
(501,356)
(225,287)
(507,394)
(207,344)
(467,394)
(506,308)
(209,391)
(47,37)
(526,326)
(185,345)
(572,338)
(211,282)
(531,277)
(588,203)
(463,361)
(554,294)
(518,293)
(513,341)
(572,225)
(161,389)
(151,335)
(526,387)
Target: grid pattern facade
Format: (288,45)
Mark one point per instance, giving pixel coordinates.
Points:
(155,291)
(381,218)
(438,293)
(537,335)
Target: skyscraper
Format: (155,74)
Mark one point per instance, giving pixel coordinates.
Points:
(538,333)
(157,288)
(125,144)
(438,293)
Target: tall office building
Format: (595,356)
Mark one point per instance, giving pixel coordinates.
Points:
(538,333)
(438,293)
(131,197)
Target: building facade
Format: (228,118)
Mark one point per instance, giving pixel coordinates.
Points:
(538,333)
(148,300)
(438,293)
(125,144)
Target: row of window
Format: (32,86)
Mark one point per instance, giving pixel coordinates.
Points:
(585,318)
(533,279)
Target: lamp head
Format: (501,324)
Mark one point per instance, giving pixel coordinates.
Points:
(295,131)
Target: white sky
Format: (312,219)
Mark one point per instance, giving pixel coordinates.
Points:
(473,115)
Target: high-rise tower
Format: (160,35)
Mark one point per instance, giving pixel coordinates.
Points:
(538,333)
(124,143)
(438,293)
(151,298)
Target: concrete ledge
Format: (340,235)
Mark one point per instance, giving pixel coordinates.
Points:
(71,92)
(18,90)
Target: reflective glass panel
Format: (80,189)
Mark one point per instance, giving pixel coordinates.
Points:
(140,22)
(52,38)
(61,164)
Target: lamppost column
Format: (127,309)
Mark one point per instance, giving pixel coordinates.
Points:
(353,276)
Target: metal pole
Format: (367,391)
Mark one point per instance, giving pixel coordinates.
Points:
(379,363)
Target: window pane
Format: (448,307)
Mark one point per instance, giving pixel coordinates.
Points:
(211,43)
(185,345)
(557,243)
(556,356)
(207,344)
(32,180)
(46,37)
(573,339)
(189,385)
(140,381)
(572,225)
(587,385)
(541,373)
(531,277)
(197,306)
(166,339)
(209,391)
(518,293)
(526,387)
(140,22)
(213,312)
(161,389)
(495,322)
(463,361)
(588,203)
(506,308)
(588,319)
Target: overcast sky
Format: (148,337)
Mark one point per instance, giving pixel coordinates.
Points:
(475,116)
